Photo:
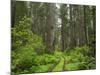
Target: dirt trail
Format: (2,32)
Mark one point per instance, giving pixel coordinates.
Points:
(59,66)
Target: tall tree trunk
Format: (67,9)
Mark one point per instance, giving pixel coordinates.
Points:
(72,26)
(64,26)
(50,28)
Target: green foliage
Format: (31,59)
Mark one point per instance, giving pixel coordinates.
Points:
(25,47)
(41,68)
(38,60)
(23,59)
(80,59)
(21,34)
(72,66)
(50,59)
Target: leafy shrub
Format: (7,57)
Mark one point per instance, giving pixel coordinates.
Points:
(81,57)
(72,66)
(21,33)
(38,60)
(83,50)
(41,68)
(23,59)
(90,63)
(50,59)
(25,47)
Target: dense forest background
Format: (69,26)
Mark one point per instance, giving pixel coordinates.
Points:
(49,37)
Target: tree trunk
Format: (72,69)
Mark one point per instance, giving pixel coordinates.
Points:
(50,28)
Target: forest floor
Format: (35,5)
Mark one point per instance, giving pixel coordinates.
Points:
(54,63)
(60,66)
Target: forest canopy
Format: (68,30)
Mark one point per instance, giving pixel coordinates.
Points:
(51,37)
